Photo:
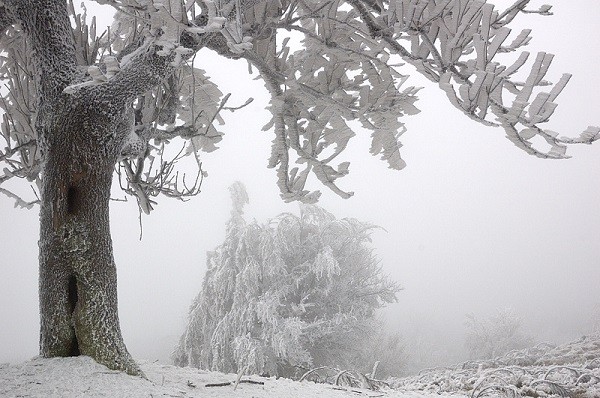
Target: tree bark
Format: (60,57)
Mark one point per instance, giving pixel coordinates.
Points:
(80,139)
(78,279)
(80,135)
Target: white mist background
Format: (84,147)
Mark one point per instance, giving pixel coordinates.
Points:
(472,224)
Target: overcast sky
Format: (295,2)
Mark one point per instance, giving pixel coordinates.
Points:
(472,224)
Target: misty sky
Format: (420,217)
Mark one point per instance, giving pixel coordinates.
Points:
(472,224)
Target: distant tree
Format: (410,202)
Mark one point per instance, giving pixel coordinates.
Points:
(296,292)
(79,104)
(496,335)
(381,350)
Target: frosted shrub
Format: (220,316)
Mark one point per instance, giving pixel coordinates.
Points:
(496,335)
(297,292)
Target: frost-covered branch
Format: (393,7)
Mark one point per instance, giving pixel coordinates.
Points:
(337,75)
(117,74)
(325,64)
(456,45)
(142,175)
(19,151)
(48,29)
(146,178)
(170,38)
(19,202)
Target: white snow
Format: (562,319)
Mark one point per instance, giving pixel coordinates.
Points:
(82,377)
(572,369)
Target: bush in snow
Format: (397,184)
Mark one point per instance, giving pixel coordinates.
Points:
(277,298)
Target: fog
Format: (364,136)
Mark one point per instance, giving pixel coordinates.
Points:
(471,225)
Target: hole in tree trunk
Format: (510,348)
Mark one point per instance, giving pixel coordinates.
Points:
(72,200)
(74,348)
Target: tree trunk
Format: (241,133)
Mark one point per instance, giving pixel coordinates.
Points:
(78,278)
(80,135)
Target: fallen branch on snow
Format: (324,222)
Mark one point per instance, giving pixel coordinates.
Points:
(228,383)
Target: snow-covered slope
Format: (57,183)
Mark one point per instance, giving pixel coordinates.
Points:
(82,377)
(569,370)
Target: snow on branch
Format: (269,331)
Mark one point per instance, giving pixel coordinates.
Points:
(458,45)
(152,98)
(19,152)
(337,75)
(184,108)
(341,71)
(328,66)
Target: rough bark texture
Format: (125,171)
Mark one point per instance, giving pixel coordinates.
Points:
(80,138)
(78,279)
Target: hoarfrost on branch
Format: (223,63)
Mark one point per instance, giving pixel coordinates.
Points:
(344,69)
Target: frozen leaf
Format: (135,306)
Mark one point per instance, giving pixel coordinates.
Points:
(386,143)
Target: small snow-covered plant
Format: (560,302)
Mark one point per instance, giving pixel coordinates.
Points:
(546,376)
(496,335)
(296,292)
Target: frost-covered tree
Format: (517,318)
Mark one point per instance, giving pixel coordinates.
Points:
(496,335)
(296,292)
(79,103)
(382,354)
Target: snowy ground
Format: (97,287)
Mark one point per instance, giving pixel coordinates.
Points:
(82,377)
(570,370)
